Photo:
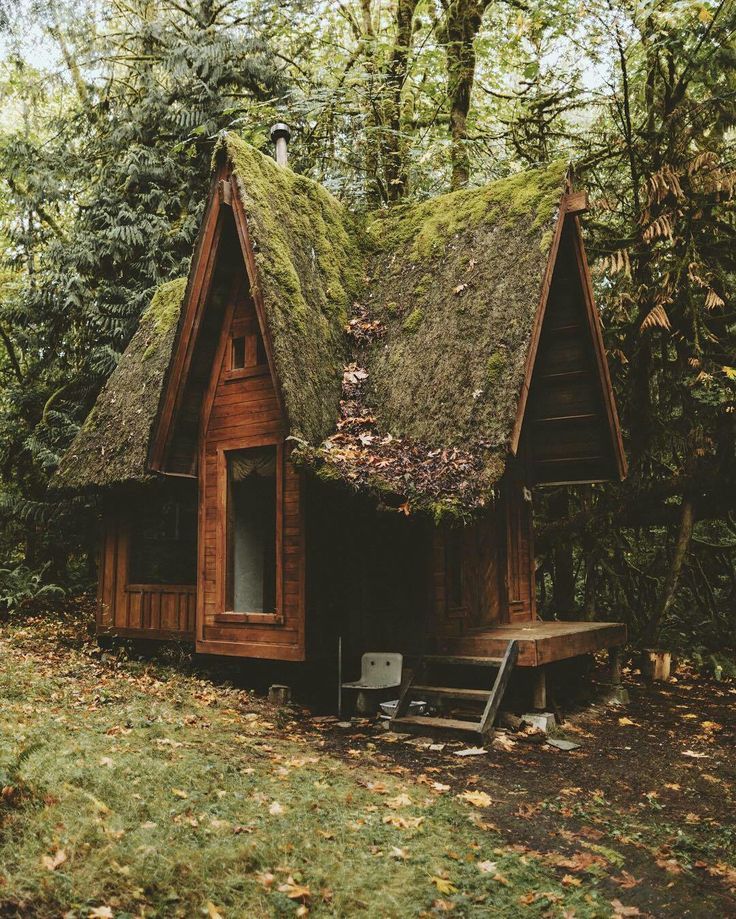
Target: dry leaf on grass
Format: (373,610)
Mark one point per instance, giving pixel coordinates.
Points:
(100,912)
(52,862)
(293,890)
(486,867)
(476,798)
(402,800)
(179,793)
(276,809)
(403,823)
(620,910)
(443,884)
(212,911)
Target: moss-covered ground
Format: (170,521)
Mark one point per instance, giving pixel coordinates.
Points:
(133,789)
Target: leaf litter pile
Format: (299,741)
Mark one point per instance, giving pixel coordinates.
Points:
(134,788)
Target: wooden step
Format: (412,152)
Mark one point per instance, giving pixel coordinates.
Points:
(452,692)
(451,659)
(422,722)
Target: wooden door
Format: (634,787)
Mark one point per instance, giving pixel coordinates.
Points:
(520,585)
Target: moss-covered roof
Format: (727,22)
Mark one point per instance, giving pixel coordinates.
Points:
(451,297)
(399,342)
(309,254)
(111,447)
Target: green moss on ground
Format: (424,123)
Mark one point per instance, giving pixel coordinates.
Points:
(155,793)
(413,320)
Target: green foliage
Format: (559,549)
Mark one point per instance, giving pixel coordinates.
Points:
(25,591)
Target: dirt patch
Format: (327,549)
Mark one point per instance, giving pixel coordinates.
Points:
(645,805)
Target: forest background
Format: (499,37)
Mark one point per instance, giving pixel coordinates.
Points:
(109,112)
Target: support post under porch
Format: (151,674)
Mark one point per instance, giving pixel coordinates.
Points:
(618,694)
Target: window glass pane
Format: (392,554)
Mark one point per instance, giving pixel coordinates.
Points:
(163,542)
(238,353)
(252,530)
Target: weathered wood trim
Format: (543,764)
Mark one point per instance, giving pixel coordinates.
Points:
(200,278)
(537,331)
(576,202)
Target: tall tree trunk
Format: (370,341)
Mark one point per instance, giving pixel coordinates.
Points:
(687,521)
(461,24)
(395,148)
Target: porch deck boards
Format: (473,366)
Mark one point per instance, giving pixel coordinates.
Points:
(539,642)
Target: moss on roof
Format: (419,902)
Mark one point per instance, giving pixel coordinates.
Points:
(111,447)
(434,302)
(309,252)
(455,286)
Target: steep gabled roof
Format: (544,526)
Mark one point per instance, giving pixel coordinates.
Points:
(111,447)
(304,265)
(401,344)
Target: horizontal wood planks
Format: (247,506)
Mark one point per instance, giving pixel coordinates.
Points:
(566,434)
(539,642)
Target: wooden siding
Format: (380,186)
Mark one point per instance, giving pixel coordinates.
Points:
(567,436)
(241,409)
(137,610)
(495,556)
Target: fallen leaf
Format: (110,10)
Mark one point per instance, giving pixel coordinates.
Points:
(52,862)
(276,809)
(569,880)
(620,910)
(212,911)
(443,884)
(459,289)
(476,798)
(693,755)
(396,852)
(626,880)
(100,912)
(486,867)
(402,800)
(627,721)
(403,823)
(106,761)
(266,879)
(179,793)
(293,890)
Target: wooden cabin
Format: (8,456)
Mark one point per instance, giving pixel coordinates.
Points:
(333,427)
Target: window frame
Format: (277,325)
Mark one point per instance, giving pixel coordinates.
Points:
(224,615)
(249,330)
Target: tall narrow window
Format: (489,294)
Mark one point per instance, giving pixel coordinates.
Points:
(252,530)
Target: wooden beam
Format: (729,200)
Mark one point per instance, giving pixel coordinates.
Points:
(576,202)
(225,192)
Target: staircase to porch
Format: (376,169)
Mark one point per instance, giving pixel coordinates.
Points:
(443,680)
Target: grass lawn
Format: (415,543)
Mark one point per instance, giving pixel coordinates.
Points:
(136,789)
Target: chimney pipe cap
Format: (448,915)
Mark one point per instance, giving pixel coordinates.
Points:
(279,130)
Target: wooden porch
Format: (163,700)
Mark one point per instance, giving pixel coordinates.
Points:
(538,642)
